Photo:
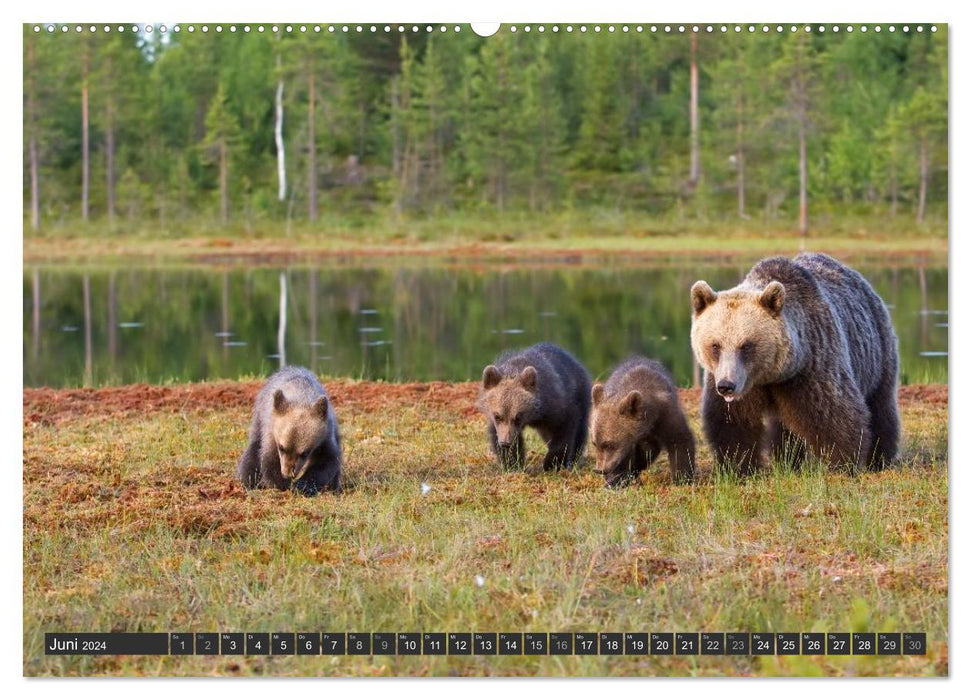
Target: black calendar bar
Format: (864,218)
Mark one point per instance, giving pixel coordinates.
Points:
(94,643)
(489,643)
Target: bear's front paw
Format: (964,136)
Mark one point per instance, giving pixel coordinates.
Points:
(306,487)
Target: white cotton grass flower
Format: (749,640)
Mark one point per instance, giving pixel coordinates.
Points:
(425,488)
(630,529)
(479,581)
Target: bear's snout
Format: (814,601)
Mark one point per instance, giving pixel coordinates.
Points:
(619,478)
(726,388)
(731,379)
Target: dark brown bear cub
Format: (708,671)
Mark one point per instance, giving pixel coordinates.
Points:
(801,351)
(636,415)
(294,439)
(543,387)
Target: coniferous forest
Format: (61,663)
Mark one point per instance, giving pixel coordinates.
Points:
(236,127)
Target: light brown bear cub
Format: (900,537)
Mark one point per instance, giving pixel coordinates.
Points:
(636,415)
(801,352)
(543,387)
(294,439)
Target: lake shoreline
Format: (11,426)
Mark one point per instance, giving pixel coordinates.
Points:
(587,249)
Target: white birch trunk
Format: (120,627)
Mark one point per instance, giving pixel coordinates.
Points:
(281,164)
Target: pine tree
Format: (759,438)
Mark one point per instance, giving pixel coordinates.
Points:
(544,129)
(222,138)
(797,72)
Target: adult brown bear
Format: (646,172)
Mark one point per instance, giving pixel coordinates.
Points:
(804,349)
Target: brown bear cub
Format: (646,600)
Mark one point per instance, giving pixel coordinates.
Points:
(543,387)
(636,414)
(801,353)
(294,439)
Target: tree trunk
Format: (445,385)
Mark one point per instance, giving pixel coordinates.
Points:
(85,151)
(32,139)
(922,195)
(396,146)
(544,148)
(501,164)
(312,148)
(223,180)
(362,129)
(695,174)
(740,155)
(740,136)
(893,187)
(34,185)
(281,165)
(803,181)
(110,160)
(183,187)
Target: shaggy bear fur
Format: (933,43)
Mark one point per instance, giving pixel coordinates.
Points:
(636,414)
(294,439)
(543,387)
(801,353)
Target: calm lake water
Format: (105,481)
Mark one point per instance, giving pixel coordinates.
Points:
(93,326)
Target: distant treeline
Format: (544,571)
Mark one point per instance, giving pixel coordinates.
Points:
(246,127)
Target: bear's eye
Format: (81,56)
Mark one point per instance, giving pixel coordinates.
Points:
(518,418)
(497,418)
(303,455)
(716,350)
(607,446)
(747,349)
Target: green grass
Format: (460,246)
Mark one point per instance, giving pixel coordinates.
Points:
(569,232)
(132,522)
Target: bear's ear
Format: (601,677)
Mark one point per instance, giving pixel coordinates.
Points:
(773,297)
(490,376)
(702,296)
(598,393)
(280,403)
(528,378)
(320,407)
(632,404)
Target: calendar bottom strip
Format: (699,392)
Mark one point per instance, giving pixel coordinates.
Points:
(487,643)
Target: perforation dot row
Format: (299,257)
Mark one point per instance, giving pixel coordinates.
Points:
(428,28)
